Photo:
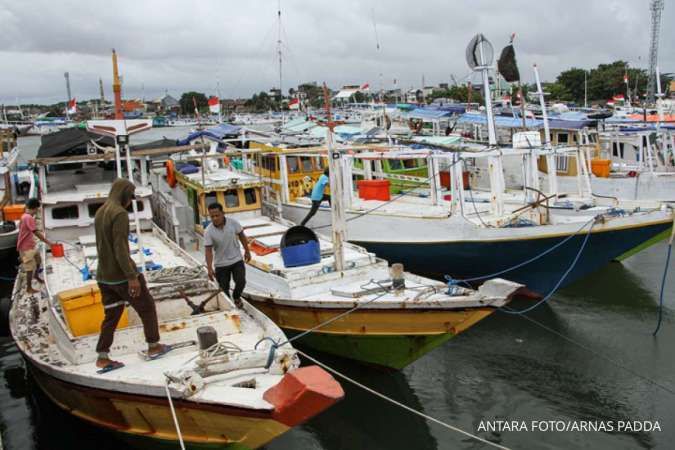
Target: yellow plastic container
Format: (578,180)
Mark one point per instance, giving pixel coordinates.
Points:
(83,310)
(600,167)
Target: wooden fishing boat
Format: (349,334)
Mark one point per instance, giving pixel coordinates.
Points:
(229,392)
(390,328)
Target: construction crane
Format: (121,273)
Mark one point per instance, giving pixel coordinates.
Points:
(656,6)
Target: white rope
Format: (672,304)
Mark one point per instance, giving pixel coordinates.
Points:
(173,413)
(407,408)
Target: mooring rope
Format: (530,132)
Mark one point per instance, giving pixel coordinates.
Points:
(557,285)
(399,404)
(665,275)
(173,414)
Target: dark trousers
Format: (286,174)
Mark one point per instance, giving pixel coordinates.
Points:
(236,271)
(314,209)
(114,297)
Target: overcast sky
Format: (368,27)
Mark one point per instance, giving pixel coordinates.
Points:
(198,45)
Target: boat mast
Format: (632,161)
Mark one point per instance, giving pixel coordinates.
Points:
(551,164)
(335,162)
(117,90)
(281,92)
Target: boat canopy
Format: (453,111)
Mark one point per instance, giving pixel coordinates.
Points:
(434,113)
(216,133)
(500,121)
(438,140)
(70,142)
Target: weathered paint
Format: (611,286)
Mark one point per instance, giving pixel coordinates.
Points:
(135,416)
(389,338)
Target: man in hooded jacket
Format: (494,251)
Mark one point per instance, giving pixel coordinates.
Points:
(118,278)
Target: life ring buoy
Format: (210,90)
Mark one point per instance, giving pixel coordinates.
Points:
(170,174)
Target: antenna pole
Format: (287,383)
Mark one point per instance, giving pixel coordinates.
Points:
(281,92)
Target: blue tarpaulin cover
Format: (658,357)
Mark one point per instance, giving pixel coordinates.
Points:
(216,133)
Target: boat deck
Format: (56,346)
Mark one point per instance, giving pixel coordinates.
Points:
(364,278)
(42,330)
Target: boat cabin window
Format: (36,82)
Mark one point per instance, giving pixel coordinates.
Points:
(575,138)
(320,165)
(139,206)
(563,138)
(65,212)
(395,164)
(307,165)
(410,163)
(293,164)
(209,198)
(250,196)
(231,198)
(93,207)
(269,163)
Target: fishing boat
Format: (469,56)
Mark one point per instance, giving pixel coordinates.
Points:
(462,233)
(219,387)
(394,322)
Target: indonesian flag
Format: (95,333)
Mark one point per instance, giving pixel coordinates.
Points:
(214,104)
(365,87)
(72,106)
(618,98)
(610,102)
(294,103)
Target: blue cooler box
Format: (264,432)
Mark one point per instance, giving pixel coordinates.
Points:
(301,254)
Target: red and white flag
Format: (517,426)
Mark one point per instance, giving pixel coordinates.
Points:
(365,87)
(294,103)
(618,97)
(72,106)
(214,104)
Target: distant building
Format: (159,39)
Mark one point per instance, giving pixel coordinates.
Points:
(413,96)
(169,104)
(443,86)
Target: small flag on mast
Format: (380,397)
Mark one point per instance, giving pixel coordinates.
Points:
(72,106)
(365,87)
(214,105)
(294,103)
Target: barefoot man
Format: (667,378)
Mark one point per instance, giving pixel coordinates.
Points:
(25,244)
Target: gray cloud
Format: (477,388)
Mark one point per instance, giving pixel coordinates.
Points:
(178,45)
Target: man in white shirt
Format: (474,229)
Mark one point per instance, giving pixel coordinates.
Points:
(223,254)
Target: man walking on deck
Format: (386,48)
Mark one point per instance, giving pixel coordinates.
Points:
(221,245)
(318,196)
(118,278)
(25,245)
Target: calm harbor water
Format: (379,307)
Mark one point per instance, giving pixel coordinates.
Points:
(505,368)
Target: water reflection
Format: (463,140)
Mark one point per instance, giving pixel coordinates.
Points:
(362,421)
